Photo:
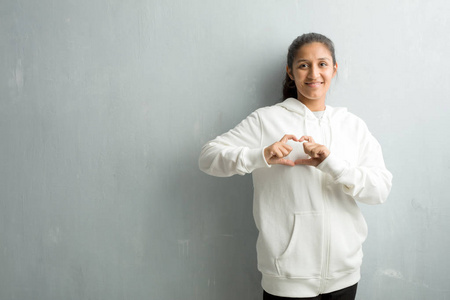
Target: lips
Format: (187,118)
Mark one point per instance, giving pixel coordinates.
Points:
(314,84)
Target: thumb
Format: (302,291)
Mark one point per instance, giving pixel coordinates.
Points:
(305,162)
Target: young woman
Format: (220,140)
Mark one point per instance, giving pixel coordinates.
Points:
(310,163)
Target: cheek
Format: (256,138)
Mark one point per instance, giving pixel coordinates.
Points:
(331,74)
(328,78)
(299,76)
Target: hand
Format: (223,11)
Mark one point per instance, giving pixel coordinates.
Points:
(317,152)
(276,153)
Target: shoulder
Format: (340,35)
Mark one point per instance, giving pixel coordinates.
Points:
(270,111)
(348,124)
(270,108)
(342,115)
(262,114)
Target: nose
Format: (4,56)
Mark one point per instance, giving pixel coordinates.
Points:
(313,72)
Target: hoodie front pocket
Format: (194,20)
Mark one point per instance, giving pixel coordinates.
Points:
(303,255)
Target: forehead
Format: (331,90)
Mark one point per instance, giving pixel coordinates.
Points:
(313,51)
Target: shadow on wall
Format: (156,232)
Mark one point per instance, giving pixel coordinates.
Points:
(271,83)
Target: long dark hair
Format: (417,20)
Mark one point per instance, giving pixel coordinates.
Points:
(289,89)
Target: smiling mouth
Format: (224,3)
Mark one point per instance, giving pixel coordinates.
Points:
(314,84)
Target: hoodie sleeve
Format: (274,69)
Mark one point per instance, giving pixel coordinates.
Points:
(237,151)
(369,181)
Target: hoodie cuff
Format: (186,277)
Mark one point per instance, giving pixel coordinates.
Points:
(333,166)
(255,160)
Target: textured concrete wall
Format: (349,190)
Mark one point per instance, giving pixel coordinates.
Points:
(104,105)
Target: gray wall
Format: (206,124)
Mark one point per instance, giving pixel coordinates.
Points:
(104,107)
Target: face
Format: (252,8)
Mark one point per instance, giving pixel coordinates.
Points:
(312,71)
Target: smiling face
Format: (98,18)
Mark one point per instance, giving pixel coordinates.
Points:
(312,70)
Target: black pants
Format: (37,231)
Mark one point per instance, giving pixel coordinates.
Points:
(344,294)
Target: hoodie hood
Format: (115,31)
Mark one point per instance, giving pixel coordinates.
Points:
(297,106)
(330,116)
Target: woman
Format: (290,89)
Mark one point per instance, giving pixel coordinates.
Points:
(306,184)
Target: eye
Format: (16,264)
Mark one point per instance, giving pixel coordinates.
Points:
(323,64)
(303,66)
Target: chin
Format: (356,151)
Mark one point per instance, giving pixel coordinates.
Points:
(313,98)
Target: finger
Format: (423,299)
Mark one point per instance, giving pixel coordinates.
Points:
(278,153)
(307,138)
(312,149)
(286,162)
(288,137)
(318,151)
(287,148)
(284,151)
(313,152)
(305,162)
(307,148)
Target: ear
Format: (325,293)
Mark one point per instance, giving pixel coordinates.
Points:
(288,71)
(335,70)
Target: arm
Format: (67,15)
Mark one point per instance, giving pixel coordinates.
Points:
(238,151)
(368,182)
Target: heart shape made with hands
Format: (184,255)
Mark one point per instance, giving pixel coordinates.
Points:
(297,151)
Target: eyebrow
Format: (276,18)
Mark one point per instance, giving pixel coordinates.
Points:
(322,58)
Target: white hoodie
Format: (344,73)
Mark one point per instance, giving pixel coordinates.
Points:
(310,228)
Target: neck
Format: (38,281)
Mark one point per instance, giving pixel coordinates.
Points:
(313,105)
